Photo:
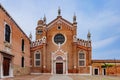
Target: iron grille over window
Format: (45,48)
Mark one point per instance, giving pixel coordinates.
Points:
(7,33)
(81,59)
(59,38)
(81,56)
(40,31)
(81,63)
(37,56)
(37,59)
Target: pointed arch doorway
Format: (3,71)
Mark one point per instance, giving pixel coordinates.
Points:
(59,63)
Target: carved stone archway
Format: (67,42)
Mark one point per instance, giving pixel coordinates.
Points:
(59,56)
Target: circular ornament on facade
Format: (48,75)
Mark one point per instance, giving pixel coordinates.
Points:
(59,27)
(59,39)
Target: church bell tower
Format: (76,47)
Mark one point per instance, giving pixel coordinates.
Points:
(41,28)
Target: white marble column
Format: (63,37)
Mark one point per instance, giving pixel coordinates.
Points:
(90,70)
(66,64)
(11,70)
(52,63)
(1,67)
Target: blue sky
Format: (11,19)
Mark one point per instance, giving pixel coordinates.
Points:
(101,17)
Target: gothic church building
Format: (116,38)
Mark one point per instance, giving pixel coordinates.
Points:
(56,50)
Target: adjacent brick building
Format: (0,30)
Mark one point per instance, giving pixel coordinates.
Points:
(56,50)
(106,67)
(14,47)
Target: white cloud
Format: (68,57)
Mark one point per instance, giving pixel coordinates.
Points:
(99,20)
(104,21)
(105,42)
(107,54)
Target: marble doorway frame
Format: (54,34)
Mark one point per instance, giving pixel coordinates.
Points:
(54,55)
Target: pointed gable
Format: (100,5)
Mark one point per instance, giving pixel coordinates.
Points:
(58,20)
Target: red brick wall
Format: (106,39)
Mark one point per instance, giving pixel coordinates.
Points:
(114,70)
(16,36)
(35,69)
(69,47)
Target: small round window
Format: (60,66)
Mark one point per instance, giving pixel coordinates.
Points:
(59,27)
(59,39)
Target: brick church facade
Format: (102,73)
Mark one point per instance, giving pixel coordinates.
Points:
(56,50)
(59,48)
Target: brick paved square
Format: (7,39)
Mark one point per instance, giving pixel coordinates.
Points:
(63,77)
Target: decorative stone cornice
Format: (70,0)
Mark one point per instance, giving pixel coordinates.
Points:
(7,44)
(38,42)
(6,53)
(85,43)
(74,38)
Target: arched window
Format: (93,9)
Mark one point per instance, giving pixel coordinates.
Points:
(7,33)
(40,31)
(22,62)
(59,58)
(81,59)
(37,59)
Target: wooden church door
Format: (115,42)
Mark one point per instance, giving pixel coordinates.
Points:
(6,66)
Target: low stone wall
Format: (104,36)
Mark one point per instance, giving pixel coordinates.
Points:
(84,70)
(18,70)
(36,70)
(115,70)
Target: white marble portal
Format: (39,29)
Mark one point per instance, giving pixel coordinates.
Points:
(59,56)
